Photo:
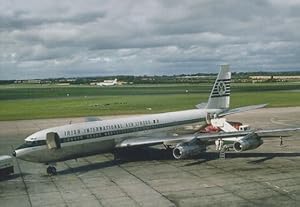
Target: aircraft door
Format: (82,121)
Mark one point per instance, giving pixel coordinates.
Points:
(208,118)
(52,140)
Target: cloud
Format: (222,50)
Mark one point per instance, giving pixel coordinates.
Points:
(85,38)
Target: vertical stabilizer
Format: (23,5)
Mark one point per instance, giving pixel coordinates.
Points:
(115,81)
(220,95)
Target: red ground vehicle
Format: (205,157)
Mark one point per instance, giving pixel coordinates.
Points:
(211,129)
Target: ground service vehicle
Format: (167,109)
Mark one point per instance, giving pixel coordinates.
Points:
(6,165)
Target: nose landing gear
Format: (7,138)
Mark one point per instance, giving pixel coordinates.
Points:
(51,170)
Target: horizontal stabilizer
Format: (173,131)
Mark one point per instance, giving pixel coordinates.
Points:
(241,109)
(201,105)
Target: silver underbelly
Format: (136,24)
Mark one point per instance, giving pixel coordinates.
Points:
(68,151)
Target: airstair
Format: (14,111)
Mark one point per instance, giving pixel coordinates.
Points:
(223,125)
(222,154)
(226,127)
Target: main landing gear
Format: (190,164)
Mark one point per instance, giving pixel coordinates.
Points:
(51,170)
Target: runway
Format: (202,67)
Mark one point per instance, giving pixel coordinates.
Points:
(267,176)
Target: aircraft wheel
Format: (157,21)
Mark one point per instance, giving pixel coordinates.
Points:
(51,170)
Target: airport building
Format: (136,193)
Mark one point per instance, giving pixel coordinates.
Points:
(273,78)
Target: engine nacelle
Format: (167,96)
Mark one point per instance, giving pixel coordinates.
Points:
(251,141)
(188,149)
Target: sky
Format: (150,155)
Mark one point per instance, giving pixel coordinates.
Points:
(73,38)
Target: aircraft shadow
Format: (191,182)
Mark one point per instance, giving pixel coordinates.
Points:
(145,154)
(128,155)
(150,153)
(11,176)
(89,167)
(209,156)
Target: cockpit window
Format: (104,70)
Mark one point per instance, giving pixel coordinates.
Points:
(32,144)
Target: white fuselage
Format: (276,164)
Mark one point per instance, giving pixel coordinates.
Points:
(88,138)
(108,83)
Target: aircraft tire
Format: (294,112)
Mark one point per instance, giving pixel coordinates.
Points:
(51,170)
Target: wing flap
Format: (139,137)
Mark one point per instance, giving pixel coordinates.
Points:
(143,141)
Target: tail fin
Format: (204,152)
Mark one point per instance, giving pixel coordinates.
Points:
(220,95)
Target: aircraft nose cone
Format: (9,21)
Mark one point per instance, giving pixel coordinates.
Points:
(14,153)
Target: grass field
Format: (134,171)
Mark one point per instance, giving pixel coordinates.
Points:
(19,91)
(32,102)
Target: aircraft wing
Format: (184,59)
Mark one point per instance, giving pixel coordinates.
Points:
(205,137)
(276,132)
(262,133)
(241,109)
(149,140)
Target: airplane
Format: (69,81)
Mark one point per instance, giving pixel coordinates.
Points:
(108,83)
(77,140)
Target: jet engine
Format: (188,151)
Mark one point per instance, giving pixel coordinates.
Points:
(250,141)
(188,149)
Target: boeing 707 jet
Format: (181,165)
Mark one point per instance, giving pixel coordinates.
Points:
(72,141)
(108,83)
